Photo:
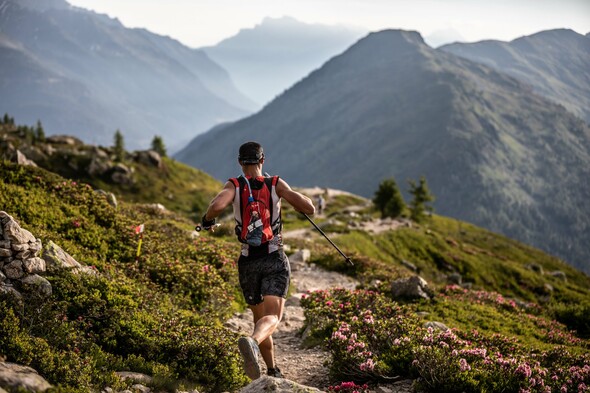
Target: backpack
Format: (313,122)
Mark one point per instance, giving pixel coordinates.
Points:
(256,209)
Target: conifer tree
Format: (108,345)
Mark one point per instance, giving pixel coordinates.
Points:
(158,145)
(119,148)
(421,200)
(388,199)
(39,132)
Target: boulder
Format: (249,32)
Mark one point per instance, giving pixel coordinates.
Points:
(56,258)
(454,278)
(148,157)
(276,385)
(11,291)
(14,270)
(414,287)
(98,166)
(64,140)
(34,265)
(37,284)
(5,252)
(436,325)
(121,174)
(16,377)
(135,377)
(15,234)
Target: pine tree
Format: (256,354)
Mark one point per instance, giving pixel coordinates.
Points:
(421,199)
(388,199)
(39,132)
(119,148)
(158,145)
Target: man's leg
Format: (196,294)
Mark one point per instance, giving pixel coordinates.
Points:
(267,316)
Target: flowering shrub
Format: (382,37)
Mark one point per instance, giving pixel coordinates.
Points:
(349,387)
(371,337)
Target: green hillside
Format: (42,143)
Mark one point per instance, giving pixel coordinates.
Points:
(138,177)
(519,320)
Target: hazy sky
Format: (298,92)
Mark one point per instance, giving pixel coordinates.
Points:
(206,22)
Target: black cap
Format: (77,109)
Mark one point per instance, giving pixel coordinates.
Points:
(250,153)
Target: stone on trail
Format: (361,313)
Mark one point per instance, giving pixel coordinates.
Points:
(277,385)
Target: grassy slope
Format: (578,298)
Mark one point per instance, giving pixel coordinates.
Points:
(175,185)
(161,315)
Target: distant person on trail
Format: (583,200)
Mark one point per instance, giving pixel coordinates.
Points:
(321,203)
(263,267)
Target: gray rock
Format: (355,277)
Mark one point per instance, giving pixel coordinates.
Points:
(23,255)
(37,284)
(436,325)
(57,259)
(98,166)
(409,265)
(34,265)
(149,157)
(64,140)
(454,278)
(4,243)
(414,287)
(300,256)
(20,159)
(140,388)
(35,247)
(14,270)
(20,247)
(135,377)
(535,267)
(15,376)
(11,291)
(559,275)
(15,234)
(5,252)
(277,385)
(112,199)
(2,277)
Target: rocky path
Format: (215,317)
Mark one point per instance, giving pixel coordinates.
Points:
(304,365)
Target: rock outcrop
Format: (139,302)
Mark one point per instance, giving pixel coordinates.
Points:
(276,385)
(20,265)
(414,287)
(16,377)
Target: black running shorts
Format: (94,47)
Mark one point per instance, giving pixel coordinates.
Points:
(267,275)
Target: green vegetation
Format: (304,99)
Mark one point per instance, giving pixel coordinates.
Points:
(158,146)
(421,199)
(119,146)
(176,186)
(519,318)
(161,314)
(389,200)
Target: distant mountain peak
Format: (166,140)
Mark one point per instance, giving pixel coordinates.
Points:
(41,5)
(399,36)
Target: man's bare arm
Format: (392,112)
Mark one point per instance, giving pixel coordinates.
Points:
(221,201)
(300,202)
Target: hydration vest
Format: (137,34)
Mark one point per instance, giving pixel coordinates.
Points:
(257,209)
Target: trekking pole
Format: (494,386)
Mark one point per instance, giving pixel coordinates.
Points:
(328,239)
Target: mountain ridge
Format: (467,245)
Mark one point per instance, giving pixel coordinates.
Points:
(490,147)
(554,62)
(148,84)
(278,52)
